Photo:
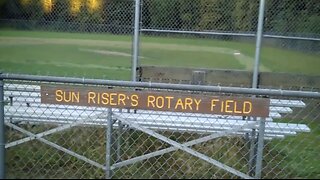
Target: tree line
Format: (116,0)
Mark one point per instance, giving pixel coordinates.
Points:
(301,16)
(281,16)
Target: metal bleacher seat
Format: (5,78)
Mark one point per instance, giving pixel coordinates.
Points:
(24,106)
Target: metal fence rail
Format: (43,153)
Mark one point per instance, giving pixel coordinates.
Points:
(63,141)
(40,140)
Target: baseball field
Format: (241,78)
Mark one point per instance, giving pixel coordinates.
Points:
(108,56)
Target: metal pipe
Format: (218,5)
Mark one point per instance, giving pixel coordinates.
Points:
(252,152)
(185,87)
(109,144)
(258,45)
(262,127)
(228,34)
(54,145)
(135,57)
(2,133)
(189,143)
(185,148)
(51,131)
(291,37)
(198,32)
(252,148)
(119,141)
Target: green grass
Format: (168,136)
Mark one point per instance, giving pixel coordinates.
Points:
(77,54)
(65,35)
(188,59)
(280,60)
(108,56)
(63,60)
(297,156)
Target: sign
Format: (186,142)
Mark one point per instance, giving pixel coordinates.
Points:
(158,101)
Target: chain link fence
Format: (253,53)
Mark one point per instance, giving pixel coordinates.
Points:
(63,141)
(48,141)
(70,15)
(218,34)
(283,18)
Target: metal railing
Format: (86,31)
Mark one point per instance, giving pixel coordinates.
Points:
(134,143)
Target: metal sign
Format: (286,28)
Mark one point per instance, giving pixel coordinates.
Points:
(158,101)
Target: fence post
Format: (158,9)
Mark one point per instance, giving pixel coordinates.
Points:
(109,144)
(135,58)
(258,44)
(119,141)
(2,133)
(262,126)
(252,152)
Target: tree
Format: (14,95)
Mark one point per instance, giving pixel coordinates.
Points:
(289,16)
(120,16)
(216,15)
(165,14)
(189,14)
(2,2)
(245,15)
(2,7)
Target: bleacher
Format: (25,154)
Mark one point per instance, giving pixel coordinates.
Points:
(24,106)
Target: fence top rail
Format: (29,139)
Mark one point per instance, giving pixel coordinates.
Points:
(200,88)
(228,33)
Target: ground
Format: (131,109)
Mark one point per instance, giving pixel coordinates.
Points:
(109,56)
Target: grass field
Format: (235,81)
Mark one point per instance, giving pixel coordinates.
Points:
(109,56)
